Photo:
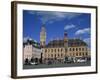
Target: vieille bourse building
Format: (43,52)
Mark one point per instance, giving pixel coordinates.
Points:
(57,49)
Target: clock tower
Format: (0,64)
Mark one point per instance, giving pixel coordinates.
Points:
(43,36)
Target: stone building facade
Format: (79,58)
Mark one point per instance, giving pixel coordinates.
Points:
(57,50)
(31,50)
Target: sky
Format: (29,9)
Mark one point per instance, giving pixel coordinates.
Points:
(77,25)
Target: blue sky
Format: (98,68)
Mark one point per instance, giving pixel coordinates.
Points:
(77,25)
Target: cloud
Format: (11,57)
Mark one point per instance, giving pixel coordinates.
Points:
(88,41)
(69,27)
(83,31)
(52,16)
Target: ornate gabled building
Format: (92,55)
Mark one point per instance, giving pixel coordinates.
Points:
(31,50)
(56,50)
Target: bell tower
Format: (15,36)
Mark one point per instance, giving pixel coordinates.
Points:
(66,43)
(65,39)
(43,36)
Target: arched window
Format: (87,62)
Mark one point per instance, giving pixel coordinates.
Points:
(55,50)
(76,54)
(58,49)
(69,49)
(73,49)
(55,55)
(76,49)
(61,55)
(86,53)
(58,55)
(61,50)
(83,53)
(51,50)
(82,49)
(80,53)
(79,49)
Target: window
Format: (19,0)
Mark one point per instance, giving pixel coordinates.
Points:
(58,50)
(79,49)
(82,49)
(76,49)
(55,50)
(69,49)
(58,55)
(73,49)
(83,53)
(55,55)
(76,54)
(80,53)
(86,53)
(51,50)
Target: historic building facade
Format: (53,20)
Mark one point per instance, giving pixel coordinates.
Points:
(31,50)
(57,50)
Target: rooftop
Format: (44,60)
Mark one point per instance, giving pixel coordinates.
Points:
(71,43)
(34,43)
(57,43)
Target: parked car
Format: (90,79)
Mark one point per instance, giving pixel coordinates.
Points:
(81,60)
(33,63)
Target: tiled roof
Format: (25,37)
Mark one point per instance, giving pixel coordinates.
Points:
(57,43)
(71,43)
(32,42)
